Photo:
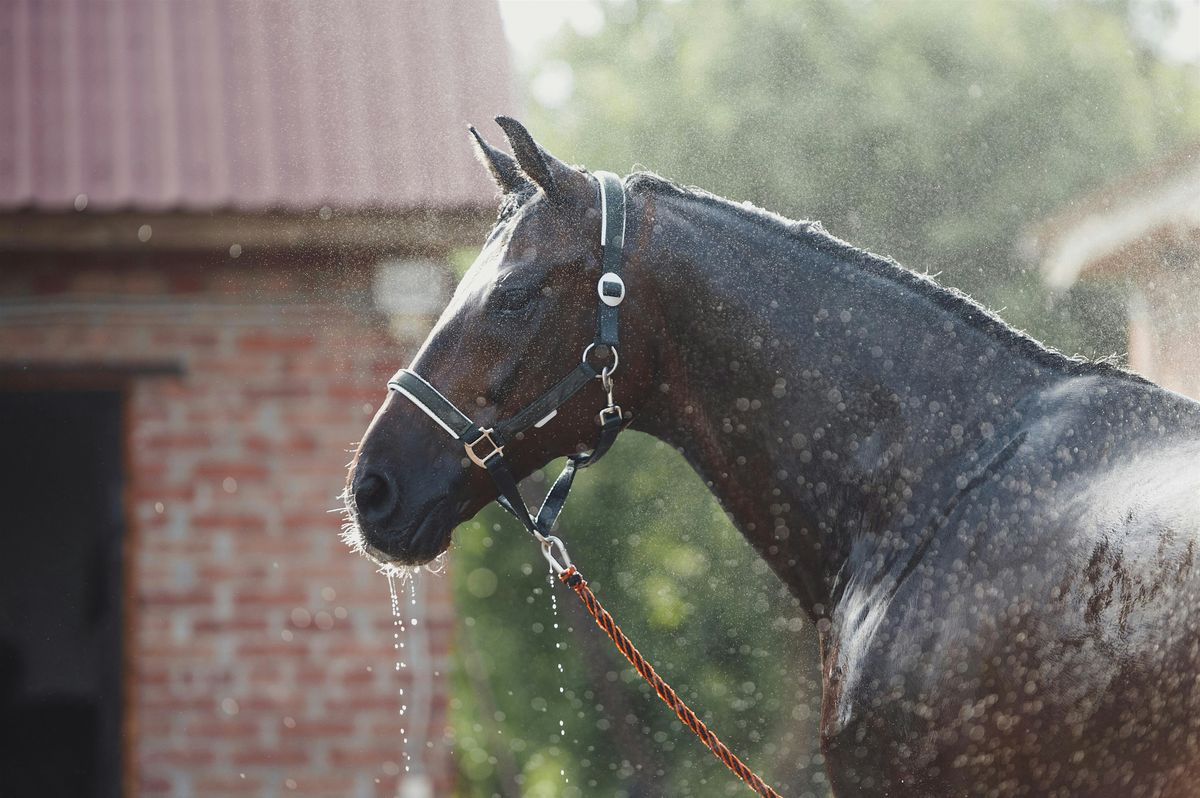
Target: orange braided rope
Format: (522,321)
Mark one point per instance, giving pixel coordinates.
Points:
(573,579)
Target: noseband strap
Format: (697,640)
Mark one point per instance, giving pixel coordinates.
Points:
(485,446)
(430,399)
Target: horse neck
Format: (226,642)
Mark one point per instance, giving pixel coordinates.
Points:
(824,402)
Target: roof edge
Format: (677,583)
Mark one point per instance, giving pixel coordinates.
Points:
(427,232)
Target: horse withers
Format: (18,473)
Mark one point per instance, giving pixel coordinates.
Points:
(995,542)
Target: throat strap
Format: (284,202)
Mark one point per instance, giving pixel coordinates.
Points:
(547,403)
(547,516)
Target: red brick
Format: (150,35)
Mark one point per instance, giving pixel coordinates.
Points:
(229,785)
(280,649)
(190,756)
(176,440)
(161,493)
(319,728)
(363,756)
(270,756)
(222,729)
(322,785)
(197,595)
(151,784)
(267,341)
(215,520)
(236,469)
(284,596)
(217,574)
(210,626)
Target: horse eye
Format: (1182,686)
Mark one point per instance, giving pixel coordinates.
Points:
(514,300)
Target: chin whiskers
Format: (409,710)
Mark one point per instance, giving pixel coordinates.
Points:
(402,573)
(438,564)
(351,534)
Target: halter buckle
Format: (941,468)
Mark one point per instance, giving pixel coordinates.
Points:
(496,451)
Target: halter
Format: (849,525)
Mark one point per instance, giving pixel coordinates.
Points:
(493,440)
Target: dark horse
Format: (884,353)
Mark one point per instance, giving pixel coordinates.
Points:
(997,543)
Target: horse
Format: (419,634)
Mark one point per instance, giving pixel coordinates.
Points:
(995,542)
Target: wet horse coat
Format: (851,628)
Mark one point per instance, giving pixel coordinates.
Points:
(995,542)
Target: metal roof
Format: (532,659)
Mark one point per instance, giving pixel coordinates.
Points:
(202,105)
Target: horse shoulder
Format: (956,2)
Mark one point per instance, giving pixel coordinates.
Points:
(1063,577)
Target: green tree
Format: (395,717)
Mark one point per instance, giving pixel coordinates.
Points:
(931,132)
(934,132)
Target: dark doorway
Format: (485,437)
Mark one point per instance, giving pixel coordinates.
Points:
(60,594)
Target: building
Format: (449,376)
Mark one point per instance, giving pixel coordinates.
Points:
(1144,231)
(208,212)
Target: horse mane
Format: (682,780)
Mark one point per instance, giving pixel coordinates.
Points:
(962,306)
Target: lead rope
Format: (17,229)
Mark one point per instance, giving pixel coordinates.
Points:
(569,575)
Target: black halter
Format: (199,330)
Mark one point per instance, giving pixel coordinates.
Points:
(611,291)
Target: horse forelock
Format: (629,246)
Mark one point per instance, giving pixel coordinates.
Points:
(512,201)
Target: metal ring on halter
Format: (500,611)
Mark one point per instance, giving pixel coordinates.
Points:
(549,544)
(606,370)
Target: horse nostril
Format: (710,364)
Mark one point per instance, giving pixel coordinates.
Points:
(375,496)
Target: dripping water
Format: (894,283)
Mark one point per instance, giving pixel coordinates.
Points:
(398,627)
(415,674)
(412,622)
(558,646)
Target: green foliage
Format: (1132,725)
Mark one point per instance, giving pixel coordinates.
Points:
(934,132)
(690,593)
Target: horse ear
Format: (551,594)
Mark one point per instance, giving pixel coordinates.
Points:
(504,168)
(552,175)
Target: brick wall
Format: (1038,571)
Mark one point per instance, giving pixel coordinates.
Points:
(260,650)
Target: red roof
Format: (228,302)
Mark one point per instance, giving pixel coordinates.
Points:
(231,104)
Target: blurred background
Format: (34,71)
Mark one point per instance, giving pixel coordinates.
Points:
(223,224)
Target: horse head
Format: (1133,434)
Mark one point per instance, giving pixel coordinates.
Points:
(520,319)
